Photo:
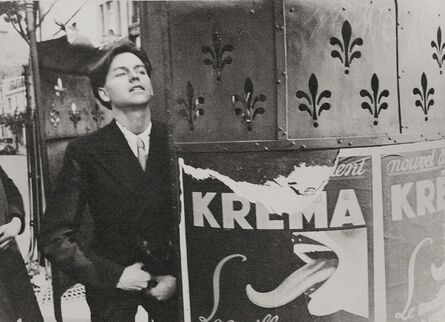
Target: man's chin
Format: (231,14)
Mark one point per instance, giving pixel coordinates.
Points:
(141,100)
(133,105)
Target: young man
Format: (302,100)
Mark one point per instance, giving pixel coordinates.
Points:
(121,172)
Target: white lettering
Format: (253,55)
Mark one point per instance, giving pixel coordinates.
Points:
(353,168)
(237,212)
(201,209)
(441,158)
(318,209)
(347,203)
(411,164)
(424,198)
(263,220)
(230,215)
(399,203)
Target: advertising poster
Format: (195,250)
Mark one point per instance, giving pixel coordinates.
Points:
(413,182)
(282,242)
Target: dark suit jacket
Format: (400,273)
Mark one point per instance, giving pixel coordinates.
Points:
(17,297)
(14,200)
(130,208)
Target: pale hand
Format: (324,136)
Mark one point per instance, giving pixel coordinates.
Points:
(165,288)
(134,278)
(8,232)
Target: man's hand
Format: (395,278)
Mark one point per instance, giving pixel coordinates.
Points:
(134,278)
(165,289)
(8,232)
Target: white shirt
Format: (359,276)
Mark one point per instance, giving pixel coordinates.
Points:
(132,138)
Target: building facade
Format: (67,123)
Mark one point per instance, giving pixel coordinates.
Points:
(12,101)
(100,21)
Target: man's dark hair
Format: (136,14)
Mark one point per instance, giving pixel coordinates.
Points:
(99,73)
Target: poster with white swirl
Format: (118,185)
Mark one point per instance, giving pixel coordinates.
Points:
(276,237)
(413,178)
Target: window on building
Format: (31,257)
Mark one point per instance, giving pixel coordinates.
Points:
(133,11)
(102,17)
(134,22)
(111,22)
(118,17)
(109,18)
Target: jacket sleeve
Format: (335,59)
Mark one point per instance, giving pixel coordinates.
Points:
(15,201)
(62,220)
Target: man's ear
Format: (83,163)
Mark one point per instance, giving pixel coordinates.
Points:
(103,94)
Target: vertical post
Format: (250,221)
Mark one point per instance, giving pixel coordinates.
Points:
(41,153)
(33,172)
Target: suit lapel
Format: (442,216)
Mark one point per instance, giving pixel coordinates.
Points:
(155,155)
(119,159)
(155,174)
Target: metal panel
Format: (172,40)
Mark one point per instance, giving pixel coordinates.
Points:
(223,70)
(280,52)
(154,41)
(421,48)
(63,119)
(341,68)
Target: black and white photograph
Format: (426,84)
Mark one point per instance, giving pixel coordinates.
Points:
(222,161)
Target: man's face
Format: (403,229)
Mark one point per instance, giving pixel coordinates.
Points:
(127,83)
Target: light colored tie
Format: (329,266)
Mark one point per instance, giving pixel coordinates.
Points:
(142,155)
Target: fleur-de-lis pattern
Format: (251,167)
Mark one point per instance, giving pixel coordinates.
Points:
(439,55)
(375,105)
(191,108)
(314,105)
(54,117)
(98,115)
(347,53)
(249,106)
(425,94)
(74,114)
(218,58)
(60,90)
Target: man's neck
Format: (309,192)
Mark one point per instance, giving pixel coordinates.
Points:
(135,120)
